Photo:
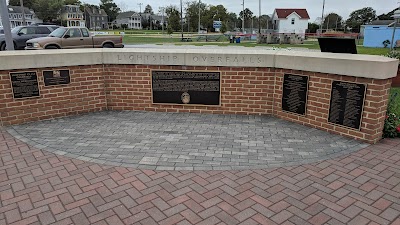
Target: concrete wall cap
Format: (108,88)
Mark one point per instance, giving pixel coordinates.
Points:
(368,66)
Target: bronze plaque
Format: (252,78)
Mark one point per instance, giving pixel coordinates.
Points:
(347,104)
(186,87)
(56,77)
(294,95)
(24,84)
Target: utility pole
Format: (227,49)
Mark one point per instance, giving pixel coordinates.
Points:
(199,14)
(21,2)
(322,17)
(259,18)
(162,20)
(6,25)
(243,18)
(181,21)
(140,7)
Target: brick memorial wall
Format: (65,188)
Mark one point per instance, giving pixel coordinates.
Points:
(247,90)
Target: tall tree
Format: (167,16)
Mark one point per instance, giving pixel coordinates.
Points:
(387,16)
(72,2)
(27,3)
(148,9)
(174,18)
(110,8)
(214,13)
(248,14)
(192,13)
(333,21)
(48,10)
(360,17)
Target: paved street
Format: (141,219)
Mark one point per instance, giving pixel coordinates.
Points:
(39,187)
(184,141)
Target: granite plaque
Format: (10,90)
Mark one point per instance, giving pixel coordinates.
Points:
(56,77)
(25,84)
(186,87)
(294,95)
(347,104)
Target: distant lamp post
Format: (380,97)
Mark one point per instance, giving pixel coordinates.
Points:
(322,17)
(396,16)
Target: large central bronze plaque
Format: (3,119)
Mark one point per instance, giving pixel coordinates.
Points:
(186,87)
(347,104)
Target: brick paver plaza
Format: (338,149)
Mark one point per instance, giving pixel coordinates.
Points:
(116,168)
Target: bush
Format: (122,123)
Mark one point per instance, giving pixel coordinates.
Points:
(393,54)
(386,43)
(391,128)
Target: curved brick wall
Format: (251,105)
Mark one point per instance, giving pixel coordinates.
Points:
(112,83)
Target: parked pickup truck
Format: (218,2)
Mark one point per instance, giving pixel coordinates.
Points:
(73,37)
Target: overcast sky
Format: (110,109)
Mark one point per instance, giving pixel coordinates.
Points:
(314,7)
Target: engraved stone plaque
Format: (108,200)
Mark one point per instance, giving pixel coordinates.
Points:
(186,87)
(347,104)
(294,96)
(24,84)
(56,77)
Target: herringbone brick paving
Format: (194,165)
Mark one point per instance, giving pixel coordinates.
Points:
(38,187)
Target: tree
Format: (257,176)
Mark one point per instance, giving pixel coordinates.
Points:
(192,14)
(213,13)
(312,27)
(72,2)
(110,8)
(27,3)
(174,18)
(387,16)
(333,21)
(248,14)
(360,17)
(148,9)
(48,10)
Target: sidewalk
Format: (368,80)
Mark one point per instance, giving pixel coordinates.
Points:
(38,187)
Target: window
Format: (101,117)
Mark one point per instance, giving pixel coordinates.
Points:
(293,20)
(42,30)
(27,30)
(85,32)
(74,32)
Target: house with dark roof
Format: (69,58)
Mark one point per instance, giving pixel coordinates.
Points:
(290,21)
(96,18)
(72,16)
(15,16)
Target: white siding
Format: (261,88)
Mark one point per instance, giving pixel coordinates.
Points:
(285,25)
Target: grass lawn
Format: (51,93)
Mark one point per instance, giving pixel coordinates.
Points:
(395,98)
(159,39)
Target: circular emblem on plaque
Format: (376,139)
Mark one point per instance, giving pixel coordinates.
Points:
(185,97)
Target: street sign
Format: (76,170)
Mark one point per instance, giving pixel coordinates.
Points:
(217,24)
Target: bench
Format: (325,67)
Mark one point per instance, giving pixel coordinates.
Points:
(209,37)
(186,39)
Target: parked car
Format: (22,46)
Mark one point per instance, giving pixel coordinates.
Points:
(23,33)
(74,37)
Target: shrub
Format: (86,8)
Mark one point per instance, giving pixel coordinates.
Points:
(386,43)
(391,127)
(393,54)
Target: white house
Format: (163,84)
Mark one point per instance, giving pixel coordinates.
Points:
(292,21)
(130,19)
(15,16)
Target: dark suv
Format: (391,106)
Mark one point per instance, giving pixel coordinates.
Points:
(23,33)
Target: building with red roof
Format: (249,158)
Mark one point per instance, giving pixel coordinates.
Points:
(290,21)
